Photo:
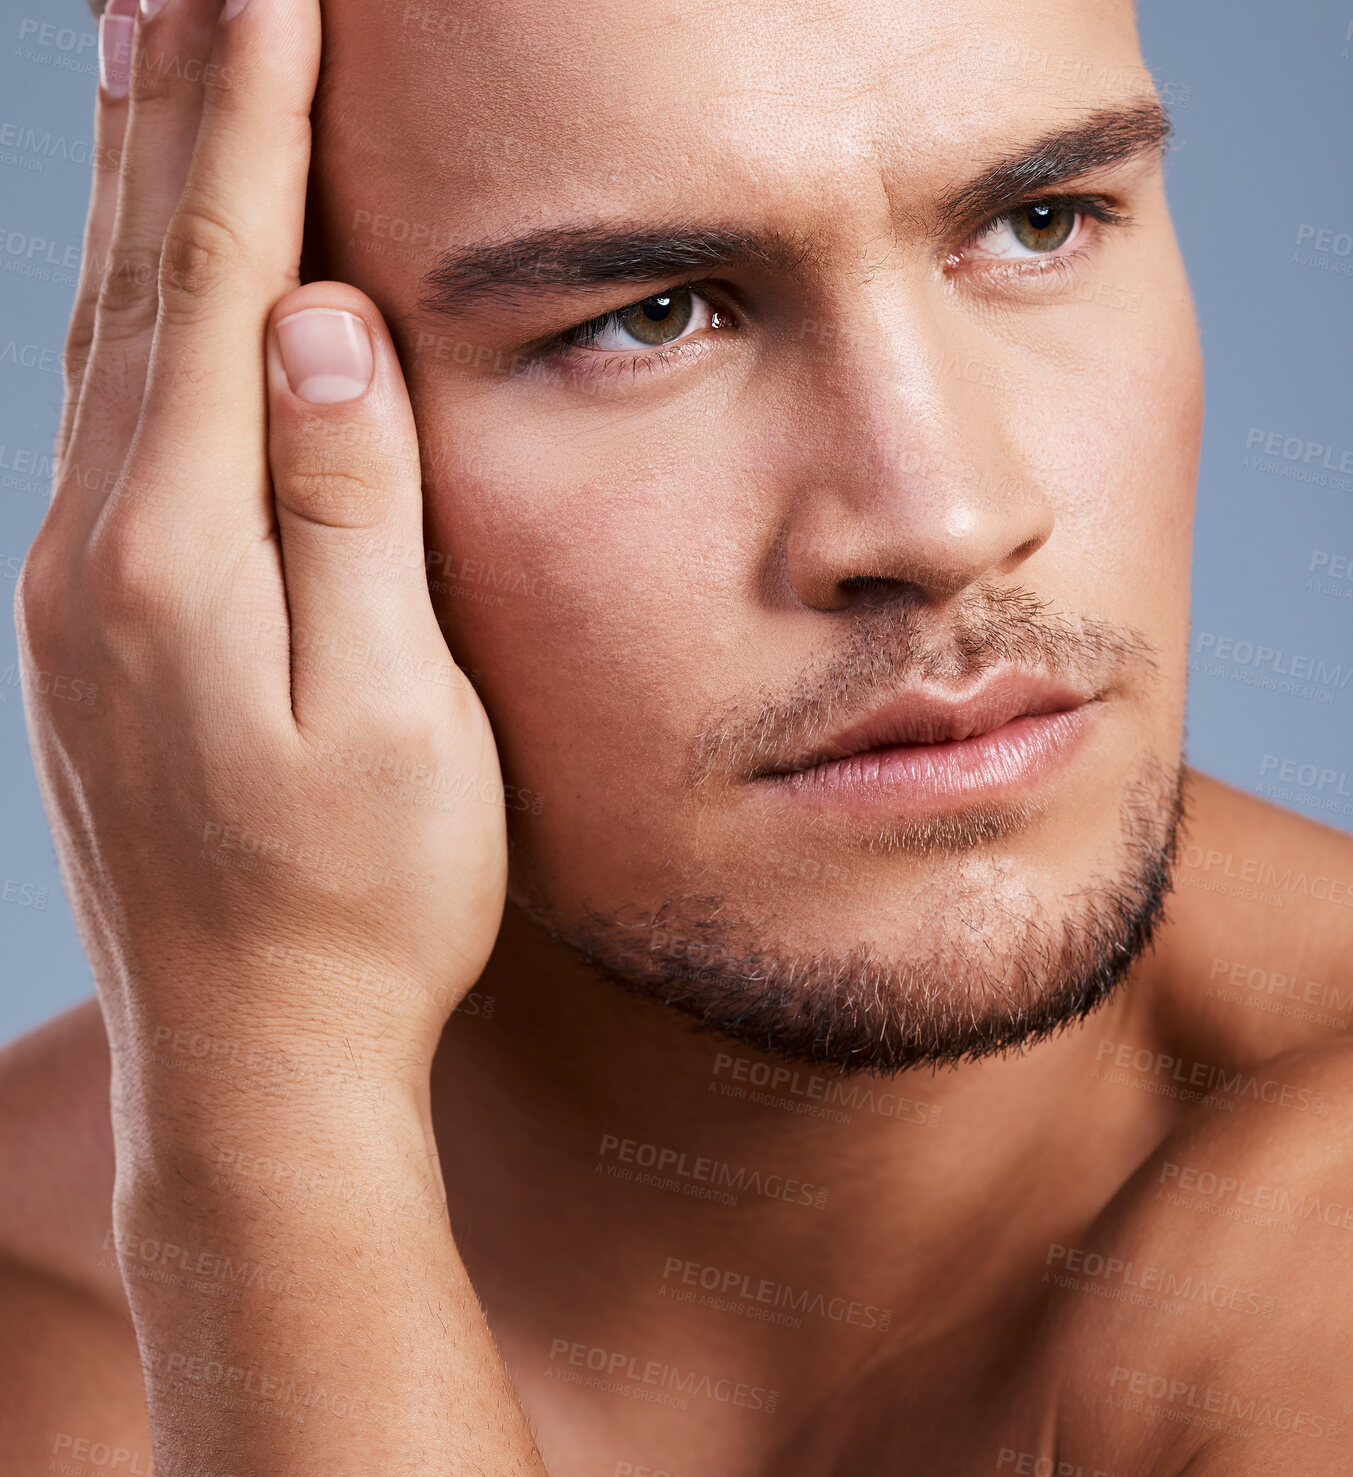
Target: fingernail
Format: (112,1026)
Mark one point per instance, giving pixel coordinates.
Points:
(117,28)
(326,354)
(233,8)
(151,8)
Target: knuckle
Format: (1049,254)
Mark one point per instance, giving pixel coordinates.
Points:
(154,90)
(79,338)
(326,491)
(129,577)
(200,259)
(419,735)
(40,597)
(127,291)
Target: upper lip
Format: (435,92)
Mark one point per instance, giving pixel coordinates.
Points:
(922,716)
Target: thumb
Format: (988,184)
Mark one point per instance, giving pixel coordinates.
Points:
(344,459)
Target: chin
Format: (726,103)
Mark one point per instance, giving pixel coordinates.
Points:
(990,961)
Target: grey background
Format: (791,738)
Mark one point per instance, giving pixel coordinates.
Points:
(1260,92)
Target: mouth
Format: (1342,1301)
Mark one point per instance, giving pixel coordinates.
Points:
(931,748)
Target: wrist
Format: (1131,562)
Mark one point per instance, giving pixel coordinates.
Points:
(264,1017)
(324,1141)
(296,1186)
(172,1071)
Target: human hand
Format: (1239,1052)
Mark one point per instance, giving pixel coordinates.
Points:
(276,799)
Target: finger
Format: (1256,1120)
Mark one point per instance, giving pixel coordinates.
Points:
(344,458)
(110,127)
(168,77)
(232,250)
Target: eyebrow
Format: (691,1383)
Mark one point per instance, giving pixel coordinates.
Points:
(583,258)
(1104,138)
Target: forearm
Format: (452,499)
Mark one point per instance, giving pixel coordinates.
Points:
(219,585)
(299,1301)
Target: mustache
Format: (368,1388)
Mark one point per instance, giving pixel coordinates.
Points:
(896,641)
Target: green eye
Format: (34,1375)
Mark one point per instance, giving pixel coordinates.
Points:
(658,319)
(1042,227)
(675,314)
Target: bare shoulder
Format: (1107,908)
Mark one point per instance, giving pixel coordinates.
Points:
(69,1364)
(1292,875)
(1206,1321)
(1260,937)
(56,1152)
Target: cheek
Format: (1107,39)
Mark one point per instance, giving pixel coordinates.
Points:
(589,591)
(1136,436)
(1159,417)
(1117,449)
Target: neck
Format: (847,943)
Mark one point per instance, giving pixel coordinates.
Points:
(584,1128)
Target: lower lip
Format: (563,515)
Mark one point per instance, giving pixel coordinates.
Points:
(989,766)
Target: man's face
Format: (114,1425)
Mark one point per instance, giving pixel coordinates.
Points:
(908,413)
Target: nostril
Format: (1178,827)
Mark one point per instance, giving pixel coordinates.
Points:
(877,589)
(1017,556)
(868,582)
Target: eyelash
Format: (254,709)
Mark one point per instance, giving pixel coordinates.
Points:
(1097,208)
(563,349)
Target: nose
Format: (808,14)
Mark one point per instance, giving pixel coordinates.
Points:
(910,477)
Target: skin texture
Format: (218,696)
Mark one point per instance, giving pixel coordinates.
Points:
(656,581)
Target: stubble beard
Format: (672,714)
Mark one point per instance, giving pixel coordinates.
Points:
(999,969)
(997,975)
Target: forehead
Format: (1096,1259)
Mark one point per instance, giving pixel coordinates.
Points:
(530,111)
